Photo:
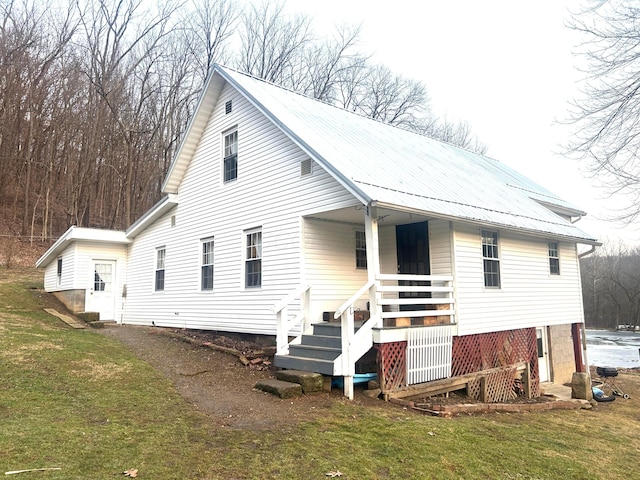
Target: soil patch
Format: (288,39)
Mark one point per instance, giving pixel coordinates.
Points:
(218,383)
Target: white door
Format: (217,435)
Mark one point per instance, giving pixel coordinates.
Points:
(101,295)
(543,354)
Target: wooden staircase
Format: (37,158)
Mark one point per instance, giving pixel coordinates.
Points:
(317,352)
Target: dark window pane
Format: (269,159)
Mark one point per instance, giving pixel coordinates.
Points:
(207,277)
(254,273)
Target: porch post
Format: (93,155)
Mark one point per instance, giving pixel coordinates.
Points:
(373,258)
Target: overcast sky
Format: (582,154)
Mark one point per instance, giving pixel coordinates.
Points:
(504,66)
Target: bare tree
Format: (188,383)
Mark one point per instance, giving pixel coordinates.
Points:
(611,286)
(272,42)
(607,121)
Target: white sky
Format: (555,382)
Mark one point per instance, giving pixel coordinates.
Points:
(504,66)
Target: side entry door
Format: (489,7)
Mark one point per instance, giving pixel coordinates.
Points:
(101,293)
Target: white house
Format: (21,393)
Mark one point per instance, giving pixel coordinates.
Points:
(284,214)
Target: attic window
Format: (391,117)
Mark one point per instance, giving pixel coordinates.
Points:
(306,167)
(227,107)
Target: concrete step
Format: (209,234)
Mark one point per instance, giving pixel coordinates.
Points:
(314,352)
(290,362)
(310,382)
(281,388)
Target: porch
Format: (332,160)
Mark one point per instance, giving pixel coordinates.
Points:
(413,310)
(416,345)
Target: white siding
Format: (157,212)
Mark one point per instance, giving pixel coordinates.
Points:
(268,193)
(529,296)
(440,253)
(68,279)
(330,265)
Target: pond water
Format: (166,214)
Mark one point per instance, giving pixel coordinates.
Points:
(613,349)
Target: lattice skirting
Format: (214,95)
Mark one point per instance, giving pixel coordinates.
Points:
(392,365)
(474,353)
(470,354)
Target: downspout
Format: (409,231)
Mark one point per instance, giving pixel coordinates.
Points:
(583,328)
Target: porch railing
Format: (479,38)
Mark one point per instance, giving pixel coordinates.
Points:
(284,324)
(434,293)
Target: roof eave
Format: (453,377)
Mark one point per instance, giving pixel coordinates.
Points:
(74,234)
(484,223)
(155,212)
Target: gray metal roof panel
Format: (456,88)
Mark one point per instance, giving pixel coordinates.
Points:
(398,167)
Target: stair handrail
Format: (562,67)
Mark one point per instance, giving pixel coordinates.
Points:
(349,303)
(353,345)
(283,324)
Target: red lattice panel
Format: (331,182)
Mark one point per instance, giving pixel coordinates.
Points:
(475,353)
(392,365)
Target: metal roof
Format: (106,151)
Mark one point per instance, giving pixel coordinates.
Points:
(395,167)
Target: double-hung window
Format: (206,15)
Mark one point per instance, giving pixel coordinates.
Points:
(253,259)
(159,277)
(230,162)
(59,271)
(206,280)
(361,249)
(490,259)
(554,258)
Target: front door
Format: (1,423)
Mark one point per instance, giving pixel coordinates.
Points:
(101,295)
(412,244)
(543,354)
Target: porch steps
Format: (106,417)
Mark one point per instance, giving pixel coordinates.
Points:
(316,352)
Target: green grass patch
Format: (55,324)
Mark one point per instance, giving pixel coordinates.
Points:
(82,402)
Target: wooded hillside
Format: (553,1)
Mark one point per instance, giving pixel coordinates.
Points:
(95,96)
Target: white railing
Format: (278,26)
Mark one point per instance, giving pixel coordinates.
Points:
(284,324)
(433,292)
(354,344)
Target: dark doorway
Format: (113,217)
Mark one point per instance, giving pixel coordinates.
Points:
(412,243)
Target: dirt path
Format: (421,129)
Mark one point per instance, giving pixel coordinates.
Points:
(217,383)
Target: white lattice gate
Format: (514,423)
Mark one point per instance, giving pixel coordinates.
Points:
(429,354)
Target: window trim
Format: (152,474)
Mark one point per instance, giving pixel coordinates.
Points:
(554,260)
(159,262)
(359,248)
(491,256)
(59,271)
(231,156)
(204,265)
(257,260)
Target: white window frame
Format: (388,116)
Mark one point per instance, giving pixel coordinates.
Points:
(360,248)
(553,249)
(491,256)
(252,256)
(207,246)
(159,266)
(229,153)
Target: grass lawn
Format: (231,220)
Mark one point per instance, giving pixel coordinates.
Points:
(81,402)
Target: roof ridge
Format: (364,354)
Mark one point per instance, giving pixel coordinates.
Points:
(358,114)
